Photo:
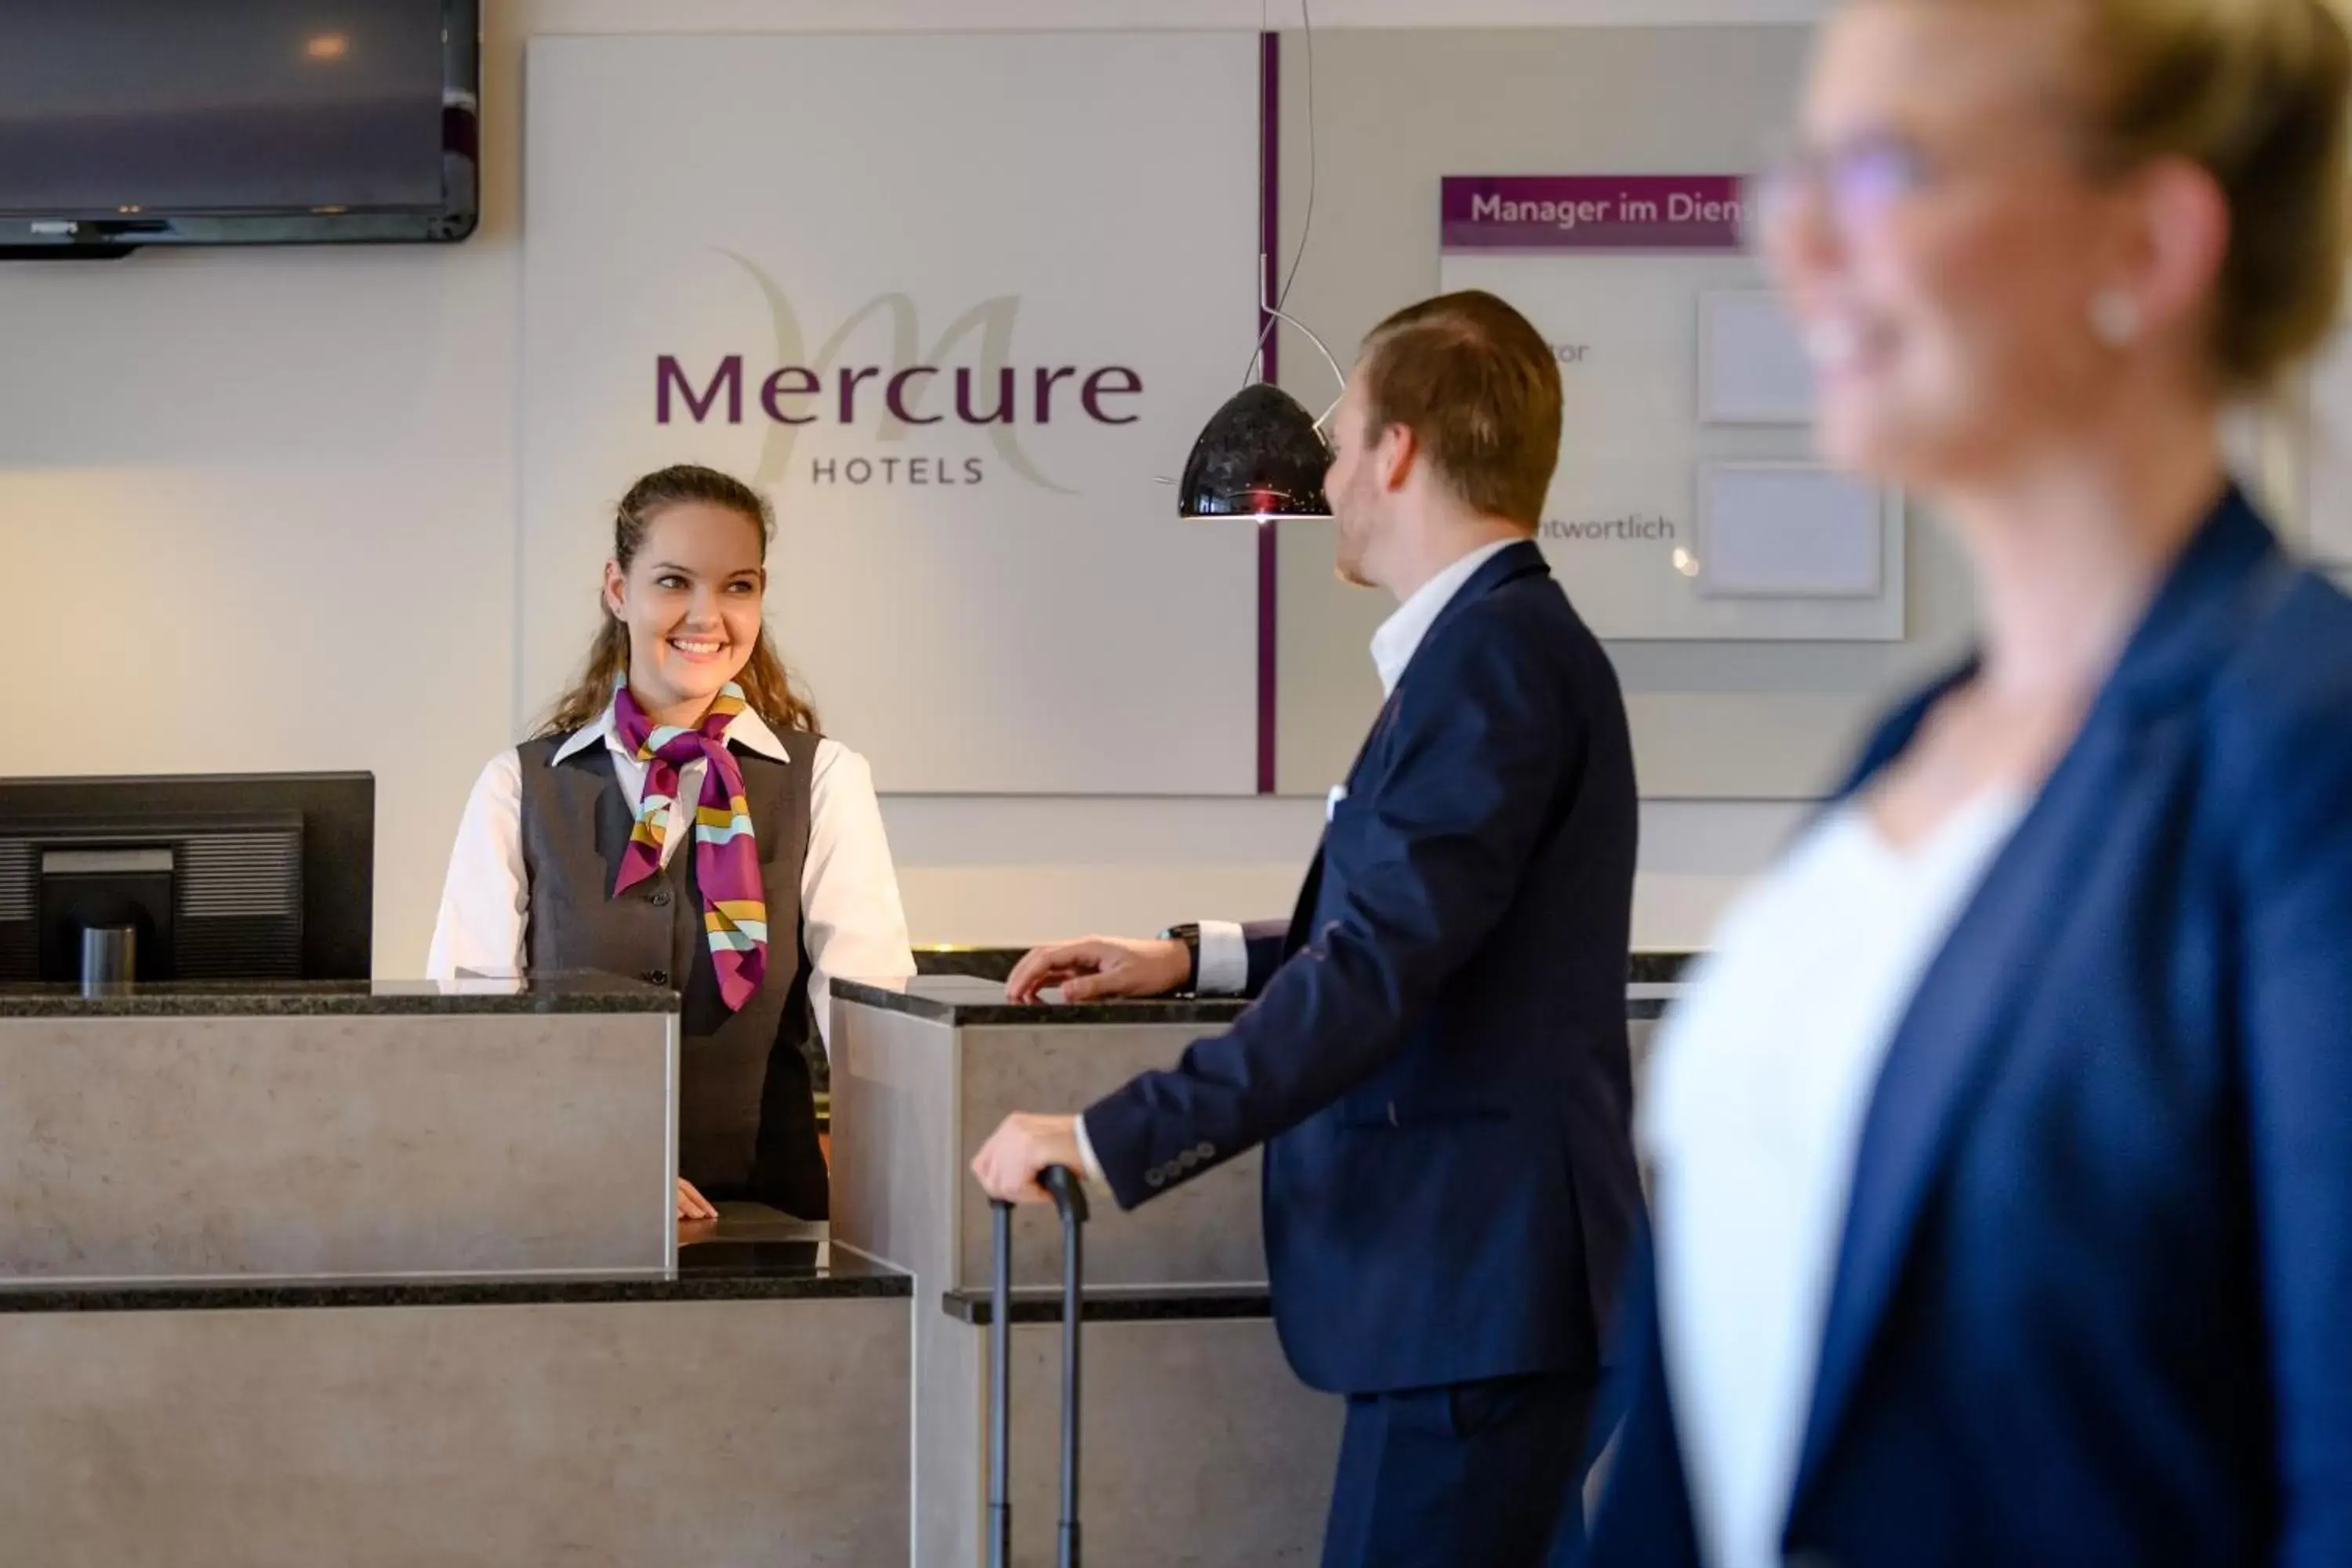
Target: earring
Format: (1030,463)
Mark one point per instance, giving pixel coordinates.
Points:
(2114,317)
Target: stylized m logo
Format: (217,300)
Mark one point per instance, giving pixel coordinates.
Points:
(905,394)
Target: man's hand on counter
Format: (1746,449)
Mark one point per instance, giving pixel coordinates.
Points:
(1022,1145)
(1097,967)
(692,1204)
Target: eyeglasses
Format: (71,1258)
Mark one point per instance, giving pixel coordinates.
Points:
(1859,180)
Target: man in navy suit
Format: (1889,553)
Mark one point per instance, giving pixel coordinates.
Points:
(1436,1056)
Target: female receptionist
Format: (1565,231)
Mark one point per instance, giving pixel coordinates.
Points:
(680,820)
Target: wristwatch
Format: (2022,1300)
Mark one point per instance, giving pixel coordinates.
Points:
(1190,935)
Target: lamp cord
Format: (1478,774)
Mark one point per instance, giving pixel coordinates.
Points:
(1274,308)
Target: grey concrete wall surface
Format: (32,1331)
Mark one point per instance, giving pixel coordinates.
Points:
(334,1146)
(763,1434)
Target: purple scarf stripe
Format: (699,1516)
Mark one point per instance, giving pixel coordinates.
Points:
(727,872)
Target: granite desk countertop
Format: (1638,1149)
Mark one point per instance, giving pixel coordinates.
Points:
(965,1000)
(581,992)
(1118,1304)
(1657,967)
(749,1253)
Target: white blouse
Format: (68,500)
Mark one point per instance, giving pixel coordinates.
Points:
(1751,1118)
(853,924)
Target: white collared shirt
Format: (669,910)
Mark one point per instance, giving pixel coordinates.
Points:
(1753,1117)
(1399,636)
(851,919)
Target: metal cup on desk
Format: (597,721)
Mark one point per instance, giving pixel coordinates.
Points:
(110,958)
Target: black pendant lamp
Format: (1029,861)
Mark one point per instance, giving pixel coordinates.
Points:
(1262,456)
(1259,457)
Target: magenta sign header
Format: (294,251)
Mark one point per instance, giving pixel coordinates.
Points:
(1592,212)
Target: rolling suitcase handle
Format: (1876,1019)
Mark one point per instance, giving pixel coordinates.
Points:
(1070,1199)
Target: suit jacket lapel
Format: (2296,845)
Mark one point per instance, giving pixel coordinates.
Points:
(1942,1050)
(1951,1033)
(1505,565)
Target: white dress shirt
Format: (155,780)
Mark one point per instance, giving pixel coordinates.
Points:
(1401,636)
(1751,1119)
(1225,947)
(851,919)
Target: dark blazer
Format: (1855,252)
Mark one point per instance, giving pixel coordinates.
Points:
(1437,1049)
(2094,1300)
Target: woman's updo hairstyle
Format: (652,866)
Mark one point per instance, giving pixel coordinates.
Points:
(2252,91)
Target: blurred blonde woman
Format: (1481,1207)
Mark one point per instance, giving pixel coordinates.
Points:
(2003,1148)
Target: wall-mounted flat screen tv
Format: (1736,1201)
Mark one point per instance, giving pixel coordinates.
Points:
(129,123)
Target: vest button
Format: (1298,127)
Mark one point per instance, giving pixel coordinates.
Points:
(656,976)
(661,897)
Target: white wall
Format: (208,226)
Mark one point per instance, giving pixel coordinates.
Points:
(1001,871)
(259,512)
(1394,112)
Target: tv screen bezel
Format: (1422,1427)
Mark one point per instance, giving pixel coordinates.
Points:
(27,236)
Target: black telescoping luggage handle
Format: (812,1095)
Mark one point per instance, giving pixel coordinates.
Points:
(1070,1199)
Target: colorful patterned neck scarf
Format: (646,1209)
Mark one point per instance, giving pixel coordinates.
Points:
(726,855)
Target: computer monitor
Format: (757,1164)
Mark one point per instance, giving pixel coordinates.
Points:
(257,877)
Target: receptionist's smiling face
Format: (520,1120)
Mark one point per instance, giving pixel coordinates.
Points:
(691,600)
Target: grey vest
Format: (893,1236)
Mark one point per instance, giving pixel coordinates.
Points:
(746,1125)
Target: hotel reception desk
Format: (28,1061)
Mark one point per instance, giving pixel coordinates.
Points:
(379,1276)
(388,1274)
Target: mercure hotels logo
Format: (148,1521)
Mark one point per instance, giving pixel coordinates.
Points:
(968,378)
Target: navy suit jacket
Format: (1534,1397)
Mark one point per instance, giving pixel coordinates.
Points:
(1437,1048)
(2094,1299)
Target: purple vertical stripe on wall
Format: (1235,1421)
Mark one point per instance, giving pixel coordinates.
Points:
(1269,231)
